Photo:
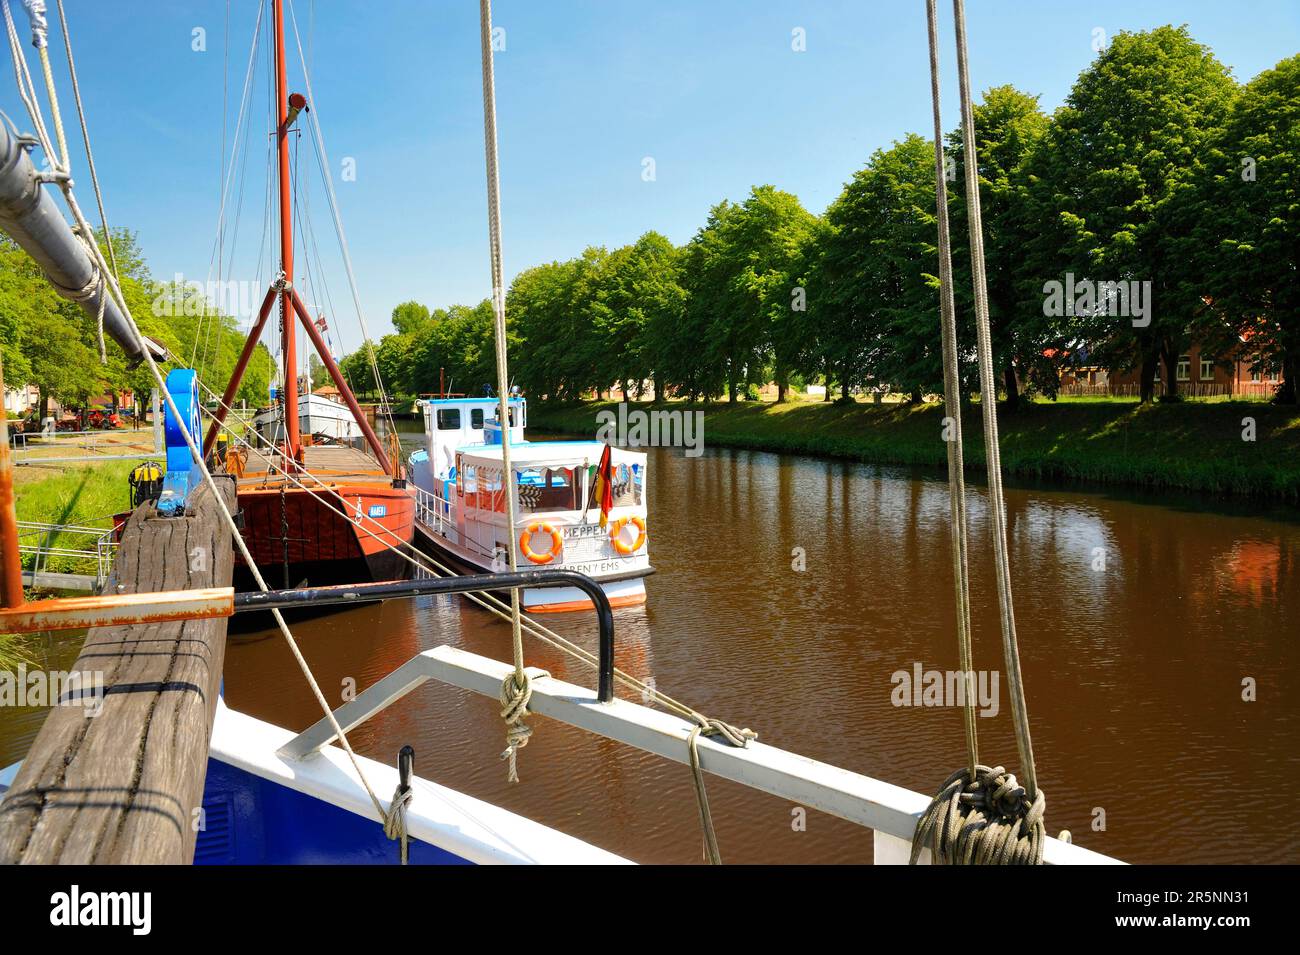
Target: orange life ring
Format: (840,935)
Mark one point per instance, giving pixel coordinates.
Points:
(525,542)
(616,530)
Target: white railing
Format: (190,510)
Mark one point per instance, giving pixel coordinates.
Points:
(434,512)
(92,547)
(106,445)
(889,810)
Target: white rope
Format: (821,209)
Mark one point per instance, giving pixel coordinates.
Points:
(27,91)
(515,691)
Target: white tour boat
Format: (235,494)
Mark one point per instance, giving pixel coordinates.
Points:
(558,488)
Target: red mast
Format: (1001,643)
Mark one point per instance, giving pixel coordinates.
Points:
(290,106)
(288,328)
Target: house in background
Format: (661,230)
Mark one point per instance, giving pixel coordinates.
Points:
(1199,375)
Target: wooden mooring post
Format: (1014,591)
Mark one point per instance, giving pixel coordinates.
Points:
(116,773)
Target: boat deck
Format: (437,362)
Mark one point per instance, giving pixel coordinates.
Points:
(333,464)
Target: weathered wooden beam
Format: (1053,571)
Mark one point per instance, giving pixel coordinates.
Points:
(124,785)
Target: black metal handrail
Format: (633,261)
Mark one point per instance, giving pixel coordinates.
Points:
(385,589)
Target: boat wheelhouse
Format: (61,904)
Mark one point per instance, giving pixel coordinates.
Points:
(460,488)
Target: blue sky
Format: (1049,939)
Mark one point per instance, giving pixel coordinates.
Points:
(585,92)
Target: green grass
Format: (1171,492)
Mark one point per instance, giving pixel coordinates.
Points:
(50,494)
(88,495)
(1192,445)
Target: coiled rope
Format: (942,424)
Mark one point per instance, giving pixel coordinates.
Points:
(981,815)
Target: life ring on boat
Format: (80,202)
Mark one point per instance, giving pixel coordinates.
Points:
(525,542)
(616,535)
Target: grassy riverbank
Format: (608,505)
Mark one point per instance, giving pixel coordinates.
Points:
(1196,446)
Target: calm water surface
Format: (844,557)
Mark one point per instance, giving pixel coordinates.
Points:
(1134,672)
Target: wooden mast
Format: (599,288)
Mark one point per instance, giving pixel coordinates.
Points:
(288,328)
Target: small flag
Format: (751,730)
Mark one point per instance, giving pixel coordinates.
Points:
(604,490)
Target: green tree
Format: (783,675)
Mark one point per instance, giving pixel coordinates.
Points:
(1247,226)
(1111,187)
(1008,129)
(874,286)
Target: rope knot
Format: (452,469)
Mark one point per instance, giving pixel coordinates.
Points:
(395,818)
(988,820)
(734,737)
(516,691)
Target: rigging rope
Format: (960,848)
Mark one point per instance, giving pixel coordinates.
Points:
(980,815)
(515,690)
(318,141)
(20,67)
(952,409)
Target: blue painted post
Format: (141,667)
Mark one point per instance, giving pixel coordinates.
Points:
(183,386)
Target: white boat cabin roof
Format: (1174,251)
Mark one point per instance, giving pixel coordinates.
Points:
(527,454)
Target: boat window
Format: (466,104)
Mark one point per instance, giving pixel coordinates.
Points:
(476,419)
(547,489)
(448,419)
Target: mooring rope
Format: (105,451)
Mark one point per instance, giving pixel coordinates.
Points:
(732,736)
(981,815)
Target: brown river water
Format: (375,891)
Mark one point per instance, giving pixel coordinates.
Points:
(1134,659)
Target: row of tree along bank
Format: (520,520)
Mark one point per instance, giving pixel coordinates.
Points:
(1229,448)
(50,344)
(1154,209)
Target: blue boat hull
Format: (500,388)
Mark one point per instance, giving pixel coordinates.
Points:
(252,821)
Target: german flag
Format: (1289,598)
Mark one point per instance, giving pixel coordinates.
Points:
(603,490)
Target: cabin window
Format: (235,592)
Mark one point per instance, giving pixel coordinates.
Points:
(476,418)
(1207,369)
(448,419)
(548,489)
(1184,371)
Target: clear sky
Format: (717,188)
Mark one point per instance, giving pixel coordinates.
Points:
(711,90)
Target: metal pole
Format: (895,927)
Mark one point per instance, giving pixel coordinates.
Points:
(11,571)
(361,593)
(29,215)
